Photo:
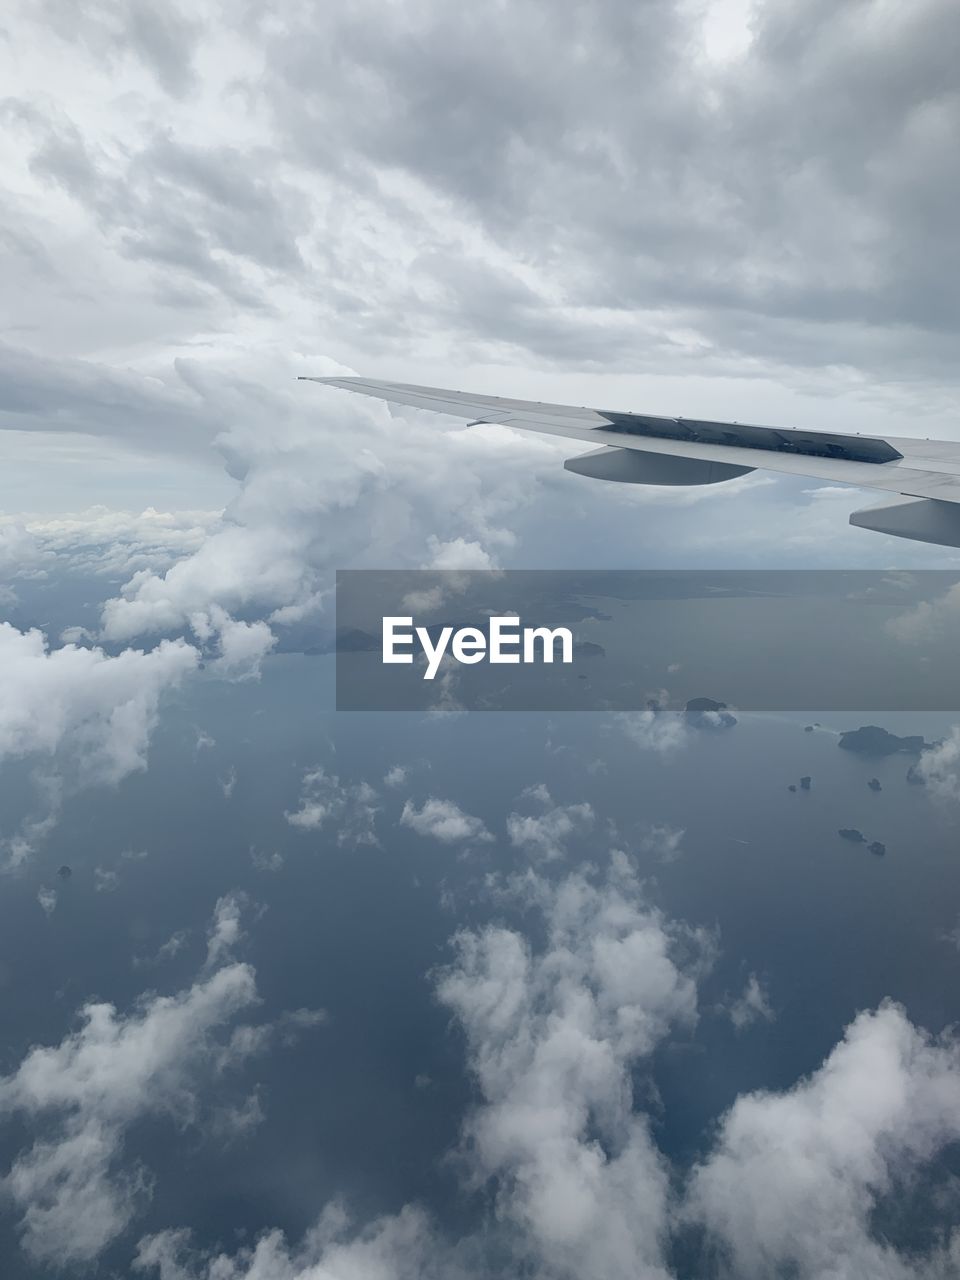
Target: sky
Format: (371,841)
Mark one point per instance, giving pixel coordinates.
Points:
(720,209)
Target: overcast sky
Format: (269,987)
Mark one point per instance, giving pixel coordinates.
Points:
(713,208)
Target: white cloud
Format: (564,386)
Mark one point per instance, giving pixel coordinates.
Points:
(395,776)
(81,716)
(546,834)
(554,1033)
(241,646)
(445,821)
(351,807)
(70,1188)
(20,552)
(402,1247)
(928,620)
(102,707)
(939,766)
(102,540)
(795,1176)
(559,1027)
(226,929)
(335,481)
(663,732)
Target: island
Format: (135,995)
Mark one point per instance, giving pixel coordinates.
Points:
(852,834)
(871,740)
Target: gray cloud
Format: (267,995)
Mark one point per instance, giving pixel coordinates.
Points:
(157,34)
(633,173)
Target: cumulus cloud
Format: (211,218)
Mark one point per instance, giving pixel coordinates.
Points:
(396,775)
(445,821)
(554,1033)
(242,646)
(82,699)
(71,1188)
(795,1178)
(351,808)
(401,1247)
(81,716)
(663,732)
(560,1023)
(939,766)
(335,481)
(20,552)
(102,540)
(545,835)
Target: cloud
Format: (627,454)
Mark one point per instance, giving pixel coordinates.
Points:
(401,1247)
(555,1032)
(71,1188)
(105,879)
(73,396)
(928,620)
(796,1177)
(166,951)
(80,716)
(334,482)
(939,767)
(226,930)
(160,36)
(102,540)
(20,551)
(545,835)
(663,842)
(445,821)
(752,1005)
(663,732)
(352,807)
(560,1025)
(242,646)
(84,700)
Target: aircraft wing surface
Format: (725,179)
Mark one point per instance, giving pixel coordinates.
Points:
(643,448)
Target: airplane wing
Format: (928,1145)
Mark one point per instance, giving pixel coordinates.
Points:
(637,448)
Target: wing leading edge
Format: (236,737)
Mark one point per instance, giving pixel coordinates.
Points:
(646,449)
